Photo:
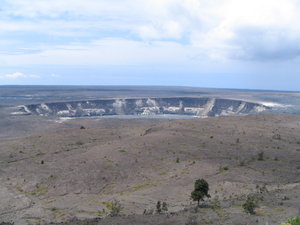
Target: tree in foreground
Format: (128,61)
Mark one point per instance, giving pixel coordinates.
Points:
(200,191)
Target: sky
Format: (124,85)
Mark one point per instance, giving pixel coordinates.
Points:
(245,44)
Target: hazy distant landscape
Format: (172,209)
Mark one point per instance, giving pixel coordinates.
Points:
(13,98)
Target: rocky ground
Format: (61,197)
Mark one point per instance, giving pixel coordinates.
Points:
(75,169)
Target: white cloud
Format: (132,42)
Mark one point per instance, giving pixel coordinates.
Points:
(167,30)
(54,75)
(106,52)
(215,28)
(18,75)
(58,8)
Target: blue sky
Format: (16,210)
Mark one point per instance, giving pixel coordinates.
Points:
(253,44)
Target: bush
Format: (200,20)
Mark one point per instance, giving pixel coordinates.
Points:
(223,169)
(242,163)
(114,207)
(79,143)
(260,156)
(292,221)
(148,212)
(158,207)
(164,207)
(215,204)
(250,204)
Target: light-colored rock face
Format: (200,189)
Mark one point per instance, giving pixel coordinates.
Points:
(202,107)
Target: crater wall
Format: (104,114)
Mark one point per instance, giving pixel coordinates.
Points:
(202,107)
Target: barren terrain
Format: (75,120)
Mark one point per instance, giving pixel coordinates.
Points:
(75,168)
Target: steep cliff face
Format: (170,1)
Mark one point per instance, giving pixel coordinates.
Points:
(202,107)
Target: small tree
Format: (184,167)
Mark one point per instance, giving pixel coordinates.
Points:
(164,207)
(158,207)
(200,191)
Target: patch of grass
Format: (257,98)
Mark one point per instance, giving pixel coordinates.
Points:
(146,184)
(185,172)
(57,212)
(102,213)
(260,212)
(163,173)
(215,204)
(34,221)
(279,210)
(41,189)
(108,204)
(79,143)
(18,188)
(233,158)
(276,137)
(52,177)
(40,154)
(238,207)
(223,169)
(107,159)
(192,220)
(114,207)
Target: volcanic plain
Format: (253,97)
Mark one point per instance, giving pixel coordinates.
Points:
(72,170)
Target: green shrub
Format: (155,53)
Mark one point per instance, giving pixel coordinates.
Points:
(260,156)
(148,212)
(292,221)
(250,204)
(223,169)
(215,204)
(164,207)
(79,143)
(158,207)
(242,163)
(115,208)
